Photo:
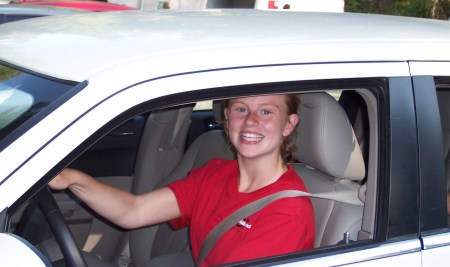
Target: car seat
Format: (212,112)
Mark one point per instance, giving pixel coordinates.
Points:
(330,160)
(162,144)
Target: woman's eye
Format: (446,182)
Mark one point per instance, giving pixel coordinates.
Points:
(239,109)
(265,112)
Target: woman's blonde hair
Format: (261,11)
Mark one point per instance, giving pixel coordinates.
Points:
(288,148)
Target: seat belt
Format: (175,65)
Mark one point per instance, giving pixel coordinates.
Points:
(347,196)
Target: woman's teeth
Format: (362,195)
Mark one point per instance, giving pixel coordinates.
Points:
(251,137)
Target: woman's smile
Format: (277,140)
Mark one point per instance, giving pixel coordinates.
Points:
(251,137)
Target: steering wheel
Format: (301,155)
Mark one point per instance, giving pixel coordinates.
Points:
(72,254)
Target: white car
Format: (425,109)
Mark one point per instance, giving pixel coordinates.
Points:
(113,94)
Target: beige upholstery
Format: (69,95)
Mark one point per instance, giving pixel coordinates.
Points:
(331,160)
(325,133)
(161,148)
(163,138)
(210,145)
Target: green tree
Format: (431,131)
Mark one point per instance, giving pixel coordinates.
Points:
(437,9)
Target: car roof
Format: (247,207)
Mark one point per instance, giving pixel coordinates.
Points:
(78,46)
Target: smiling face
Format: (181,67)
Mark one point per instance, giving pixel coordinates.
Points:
(257,125)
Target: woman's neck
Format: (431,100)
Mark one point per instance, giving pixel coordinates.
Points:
(255,174)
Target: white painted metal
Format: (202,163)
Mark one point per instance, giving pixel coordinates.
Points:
(430,68)
(16,253)
(71,48)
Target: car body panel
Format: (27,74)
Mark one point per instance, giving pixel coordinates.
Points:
(146,35)
(430,68)
(17,252)
(403,252)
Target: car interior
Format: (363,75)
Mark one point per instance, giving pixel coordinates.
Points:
(443,95)
(336,151)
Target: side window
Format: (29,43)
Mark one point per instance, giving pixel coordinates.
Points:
(443,95)
(133,161)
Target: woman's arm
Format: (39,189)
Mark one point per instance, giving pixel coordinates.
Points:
(118,206)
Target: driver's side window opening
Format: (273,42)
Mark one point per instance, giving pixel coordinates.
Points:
(166,144)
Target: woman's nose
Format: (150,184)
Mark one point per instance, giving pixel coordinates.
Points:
(251,119)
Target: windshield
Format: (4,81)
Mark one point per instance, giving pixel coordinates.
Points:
(22,96)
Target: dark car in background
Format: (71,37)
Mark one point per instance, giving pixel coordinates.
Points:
(12,12)
(96,6)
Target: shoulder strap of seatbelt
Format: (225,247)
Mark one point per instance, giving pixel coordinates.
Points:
(348,196)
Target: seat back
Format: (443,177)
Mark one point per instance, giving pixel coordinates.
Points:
(209,145)
(163,138)
(162,144)
(331,160)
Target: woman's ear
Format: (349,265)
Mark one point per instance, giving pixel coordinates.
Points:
(291,123)
(225,113)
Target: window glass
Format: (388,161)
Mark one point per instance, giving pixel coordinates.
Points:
(443,94)
(203,105)
(23,95)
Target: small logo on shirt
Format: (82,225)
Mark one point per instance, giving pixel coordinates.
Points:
(244,223)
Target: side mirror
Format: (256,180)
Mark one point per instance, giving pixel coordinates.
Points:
(16,251)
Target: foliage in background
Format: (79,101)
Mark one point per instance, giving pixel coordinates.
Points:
(437,9)
(7,73)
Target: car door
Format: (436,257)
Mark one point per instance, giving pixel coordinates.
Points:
(432,95)
(389,226)
(389,231)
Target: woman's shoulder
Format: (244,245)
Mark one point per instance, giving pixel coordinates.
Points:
(292,178)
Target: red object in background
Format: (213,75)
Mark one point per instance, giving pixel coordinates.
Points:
(273,4)
(86,5)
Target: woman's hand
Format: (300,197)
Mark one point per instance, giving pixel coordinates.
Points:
(116,205)
(65,179)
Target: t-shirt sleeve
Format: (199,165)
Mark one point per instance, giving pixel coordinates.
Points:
(188,189)
(185,191)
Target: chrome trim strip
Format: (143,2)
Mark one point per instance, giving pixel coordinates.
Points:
(432,68)
(362,255)
(435,241)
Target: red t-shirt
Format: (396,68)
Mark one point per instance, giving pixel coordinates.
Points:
(209,194)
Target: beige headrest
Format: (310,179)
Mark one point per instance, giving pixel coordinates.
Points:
(325,138)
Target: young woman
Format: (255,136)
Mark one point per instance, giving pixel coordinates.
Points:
(258,128)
